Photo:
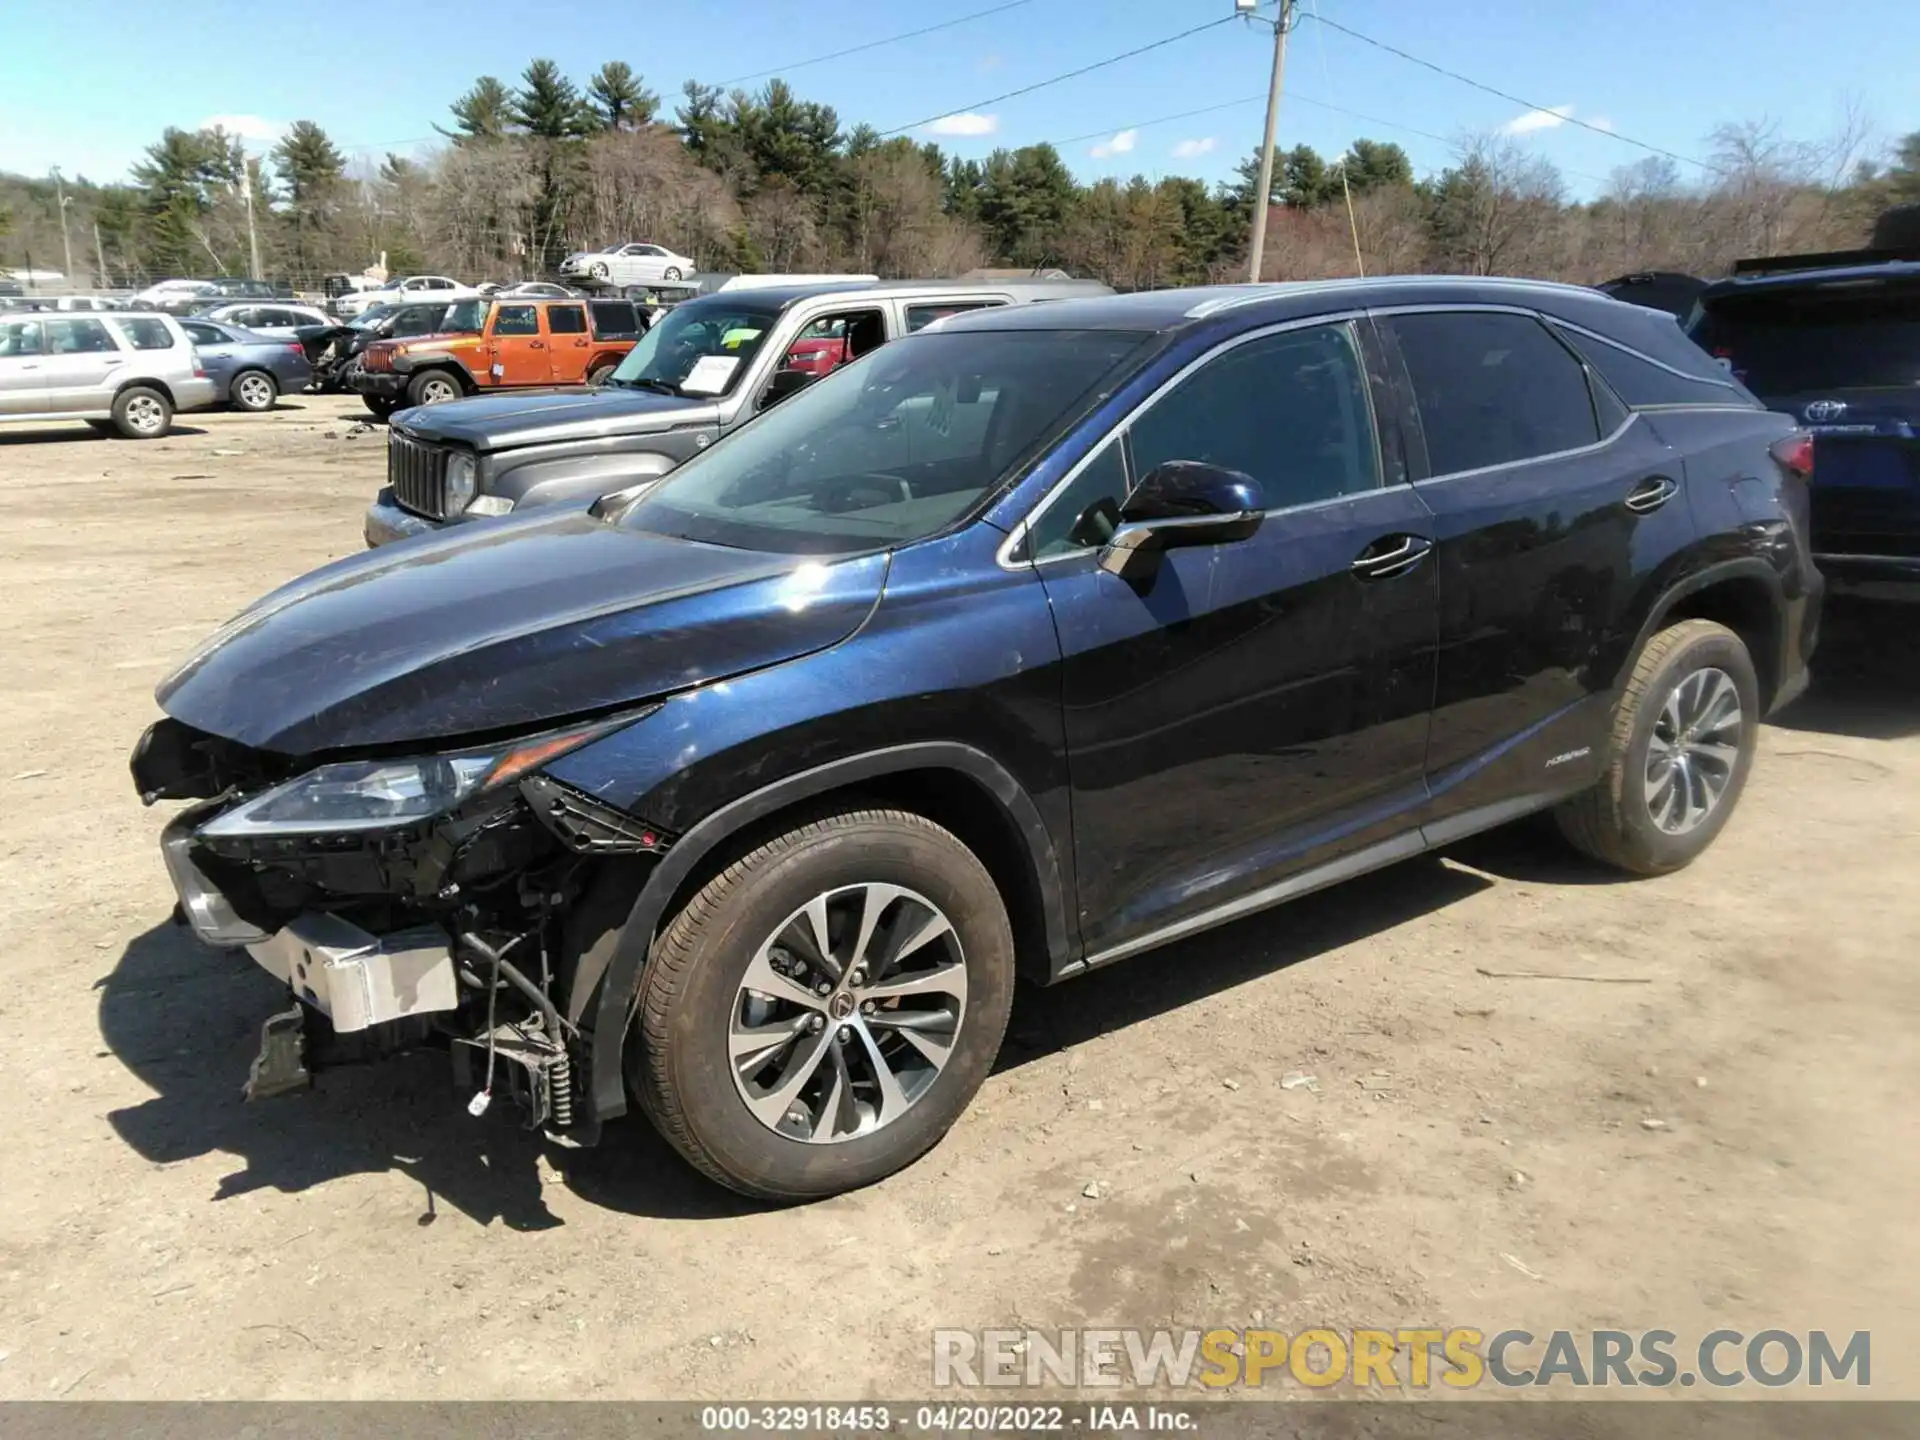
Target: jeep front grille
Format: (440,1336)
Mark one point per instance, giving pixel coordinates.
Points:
(418,472)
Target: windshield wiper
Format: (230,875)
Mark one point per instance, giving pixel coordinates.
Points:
(646,382)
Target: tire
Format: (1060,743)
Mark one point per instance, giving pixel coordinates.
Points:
(142,413)
(1628,819)
(380,405)
(599,270)
(599,374)
(434,387)
(692,998)
(672,272)
(253,391)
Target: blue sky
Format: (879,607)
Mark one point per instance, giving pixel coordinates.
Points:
(90,82)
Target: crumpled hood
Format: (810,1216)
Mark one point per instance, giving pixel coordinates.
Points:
(506,626)
(499,422)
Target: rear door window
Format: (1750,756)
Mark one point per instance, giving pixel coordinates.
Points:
(1791,342)
(1492,388)
(199,332)
(566,320)
(20,337)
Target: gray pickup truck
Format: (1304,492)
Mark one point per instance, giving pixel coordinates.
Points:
(705,369)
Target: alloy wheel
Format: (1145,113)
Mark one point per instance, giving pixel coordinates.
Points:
(1693,750)
(848,1013)
(437,392)
(256,392)
(146,414)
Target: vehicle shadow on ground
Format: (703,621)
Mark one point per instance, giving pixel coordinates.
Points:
(185,1019)
(1866,674)
(80,432)
(1049,1019)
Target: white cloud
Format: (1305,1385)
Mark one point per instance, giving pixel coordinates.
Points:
(1118,145)
(1537,120)
(965,123)
(1188,149)
(247,127)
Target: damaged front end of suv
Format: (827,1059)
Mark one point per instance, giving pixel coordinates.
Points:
(405,901)
(370,809)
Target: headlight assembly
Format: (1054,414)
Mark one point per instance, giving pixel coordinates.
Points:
(359,795)
(461,482)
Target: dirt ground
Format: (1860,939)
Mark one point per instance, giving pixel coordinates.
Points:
(1474,1153)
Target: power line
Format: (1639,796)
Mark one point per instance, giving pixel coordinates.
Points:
(1057,79)
(1511,99)
(876,44)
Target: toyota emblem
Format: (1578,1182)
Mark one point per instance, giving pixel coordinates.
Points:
(1825,412)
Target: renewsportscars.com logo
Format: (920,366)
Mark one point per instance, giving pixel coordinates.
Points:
(1459,1358)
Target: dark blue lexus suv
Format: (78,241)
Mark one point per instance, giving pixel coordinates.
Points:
(1035,640)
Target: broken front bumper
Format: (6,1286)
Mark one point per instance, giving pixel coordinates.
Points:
(355,978)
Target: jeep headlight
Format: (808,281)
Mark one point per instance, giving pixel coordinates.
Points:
(462,481)
(354,795)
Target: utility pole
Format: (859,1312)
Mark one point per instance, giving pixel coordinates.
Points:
(1262,197)
(253,235)
(60,198)
(100,254)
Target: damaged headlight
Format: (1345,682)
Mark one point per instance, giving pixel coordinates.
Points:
(379,794)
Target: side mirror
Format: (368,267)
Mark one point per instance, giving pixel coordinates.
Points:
(783,384)
(1183,502)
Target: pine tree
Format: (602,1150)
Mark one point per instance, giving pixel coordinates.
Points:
(618,98)
(485,112)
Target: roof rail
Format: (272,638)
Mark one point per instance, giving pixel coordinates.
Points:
(1824,260)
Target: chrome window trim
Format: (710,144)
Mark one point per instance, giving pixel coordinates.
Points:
(1727,385)
(1017,536)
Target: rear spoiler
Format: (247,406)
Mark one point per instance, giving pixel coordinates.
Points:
(1825,260)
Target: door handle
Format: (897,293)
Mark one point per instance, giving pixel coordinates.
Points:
(579,344)
(1650,494)
(536,344)
(113,362)
(1391,555)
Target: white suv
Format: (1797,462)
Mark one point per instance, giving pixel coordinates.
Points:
(124,373)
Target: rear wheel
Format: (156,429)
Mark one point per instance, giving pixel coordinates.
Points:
(253,391)
(820,1013)
(140,413)
(433,387)
(600,374)
(1683,740)
(672,272)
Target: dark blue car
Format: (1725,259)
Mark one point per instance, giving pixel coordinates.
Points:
(1835,340)
(249,371)
(1036,640)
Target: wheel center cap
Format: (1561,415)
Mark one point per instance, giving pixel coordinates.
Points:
(841,1006)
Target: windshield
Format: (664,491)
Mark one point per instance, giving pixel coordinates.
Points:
(1791,342)
(891,448)
(701,348)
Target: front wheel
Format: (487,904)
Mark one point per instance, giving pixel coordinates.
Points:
(253,391)
(821,1011)
(1683,739)
(380,405)
(599,270)
(433,387)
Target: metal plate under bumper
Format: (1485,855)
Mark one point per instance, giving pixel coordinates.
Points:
(357,979)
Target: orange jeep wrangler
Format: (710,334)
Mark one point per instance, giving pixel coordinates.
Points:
(498,344)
